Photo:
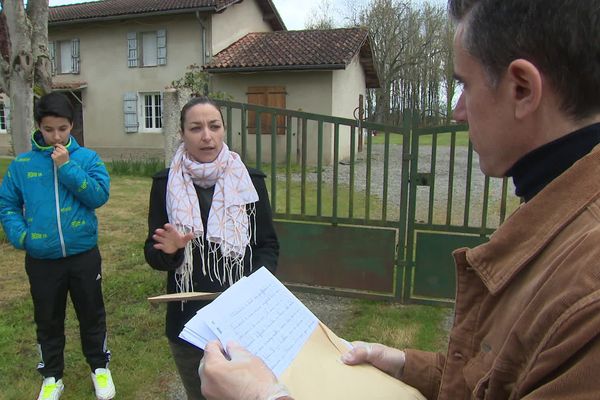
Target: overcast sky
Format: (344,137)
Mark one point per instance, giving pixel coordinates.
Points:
(293,12)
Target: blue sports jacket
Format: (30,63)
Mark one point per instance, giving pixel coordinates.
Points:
(49,211)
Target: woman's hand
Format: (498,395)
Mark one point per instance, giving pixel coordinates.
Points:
(169,240)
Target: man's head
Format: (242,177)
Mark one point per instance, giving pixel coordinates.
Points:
(54,116)
(540,62)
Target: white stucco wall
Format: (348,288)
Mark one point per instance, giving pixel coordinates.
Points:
(347,85)
(308,91)
(103,65)
(236,22)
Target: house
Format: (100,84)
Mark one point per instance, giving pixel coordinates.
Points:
(316,71)
(114,58)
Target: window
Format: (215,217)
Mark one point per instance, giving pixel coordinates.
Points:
(147,49)
(4,115)
(64,56)
(142,112)
(152,111)
(269,96)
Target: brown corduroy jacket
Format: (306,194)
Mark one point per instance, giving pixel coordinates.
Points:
(527,319)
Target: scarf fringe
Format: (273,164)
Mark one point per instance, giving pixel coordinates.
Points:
(233,266)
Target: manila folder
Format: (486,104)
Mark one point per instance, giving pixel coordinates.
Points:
(318,373)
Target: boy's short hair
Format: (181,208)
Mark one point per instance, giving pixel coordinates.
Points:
(53,104)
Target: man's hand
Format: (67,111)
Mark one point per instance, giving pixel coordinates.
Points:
(169,240)
(387,359)
(244,377)
(60,155)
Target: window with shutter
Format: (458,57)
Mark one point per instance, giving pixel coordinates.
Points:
(161,47)
(75,56)
(147,49)
(130,112)
(269,96)
(3,125)
(65,59)
(52,55)
(132,53)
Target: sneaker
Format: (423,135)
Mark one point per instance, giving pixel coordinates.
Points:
(103,384)
(51,389)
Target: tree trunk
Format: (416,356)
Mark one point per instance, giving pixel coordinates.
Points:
(21,115)
(28,63)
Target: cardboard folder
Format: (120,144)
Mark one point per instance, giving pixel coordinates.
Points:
(318,373)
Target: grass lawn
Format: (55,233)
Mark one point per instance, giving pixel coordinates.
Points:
(443,139)
(142,365)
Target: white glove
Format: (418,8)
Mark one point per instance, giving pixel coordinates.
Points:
(244,377)
(387,359)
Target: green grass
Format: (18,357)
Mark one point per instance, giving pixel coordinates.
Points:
(443,139)
(142,366)
(419,327)
(135,167)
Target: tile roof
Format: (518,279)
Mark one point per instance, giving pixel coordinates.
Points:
(105,9)
(297,50)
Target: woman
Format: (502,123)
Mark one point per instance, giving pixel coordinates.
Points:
(209,224)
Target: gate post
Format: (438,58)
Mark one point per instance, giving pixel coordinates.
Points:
(403,285)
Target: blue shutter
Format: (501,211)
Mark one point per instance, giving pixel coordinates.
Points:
(161,47)
(52,55)
(130,100)
(75,56)
(132,52)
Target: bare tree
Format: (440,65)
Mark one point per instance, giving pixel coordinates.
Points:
(26,64)
(410,56)
(321,16)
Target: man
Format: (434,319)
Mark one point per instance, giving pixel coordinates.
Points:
(527,315)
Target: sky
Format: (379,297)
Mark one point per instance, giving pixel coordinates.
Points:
(293,12)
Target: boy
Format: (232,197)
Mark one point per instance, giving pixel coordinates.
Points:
(47,202)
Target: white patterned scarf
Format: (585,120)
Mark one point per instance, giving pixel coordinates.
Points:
(228,227)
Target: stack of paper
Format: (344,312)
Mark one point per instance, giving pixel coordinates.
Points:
(261,314)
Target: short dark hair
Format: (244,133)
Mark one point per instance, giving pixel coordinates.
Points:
(560,37)
(195,101)
(54,104)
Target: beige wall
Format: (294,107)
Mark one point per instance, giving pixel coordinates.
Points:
(103,65)
(236,22)
(347,85)
(308,91)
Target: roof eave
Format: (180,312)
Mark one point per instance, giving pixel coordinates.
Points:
(130,16)
(274,68)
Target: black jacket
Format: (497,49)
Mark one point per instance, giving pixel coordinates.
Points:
(264,253)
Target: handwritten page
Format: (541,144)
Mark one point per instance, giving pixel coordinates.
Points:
(261,314)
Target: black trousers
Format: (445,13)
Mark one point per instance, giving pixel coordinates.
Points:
(80,276)
(187,359)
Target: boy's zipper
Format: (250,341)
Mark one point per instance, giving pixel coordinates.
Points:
(58,221)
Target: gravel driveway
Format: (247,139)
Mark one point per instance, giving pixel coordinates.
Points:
(441,195)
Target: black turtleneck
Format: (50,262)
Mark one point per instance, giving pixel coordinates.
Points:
(541,166)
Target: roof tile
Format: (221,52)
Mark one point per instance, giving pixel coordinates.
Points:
(111,8)
(280,50)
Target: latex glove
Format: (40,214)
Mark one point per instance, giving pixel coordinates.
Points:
(244,377)
(387,359)
(169,240)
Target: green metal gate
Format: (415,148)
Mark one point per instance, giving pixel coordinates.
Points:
(348,201)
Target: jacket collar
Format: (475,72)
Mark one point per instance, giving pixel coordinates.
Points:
(534,224)
(38,144)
